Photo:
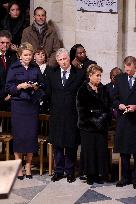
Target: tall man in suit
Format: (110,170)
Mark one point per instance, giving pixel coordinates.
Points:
(7,57)
(125,102)
(63,83)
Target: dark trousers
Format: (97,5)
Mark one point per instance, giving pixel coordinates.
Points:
(125,162)
(65,160)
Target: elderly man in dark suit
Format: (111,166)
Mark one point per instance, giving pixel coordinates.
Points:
(7,57)
(125,102)
(63,84)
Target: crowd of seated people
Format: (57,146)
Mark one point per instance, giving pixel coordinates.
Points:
(35,72)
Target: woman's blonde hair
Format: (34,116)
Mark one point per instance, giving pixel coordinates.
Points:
(25,46)
(93,68)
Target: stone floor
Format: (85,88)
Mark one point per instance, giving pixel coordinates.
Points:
(40,190)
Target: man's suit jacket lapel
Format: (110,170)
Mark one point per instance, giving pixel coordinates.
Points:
(8,59)
(58,77)
(71,77)
(133,88)
(2,68)
(126,86)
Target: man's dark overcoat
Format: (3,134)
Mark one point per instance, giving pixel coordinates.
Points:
(63,114)
(10,59)
(125,140)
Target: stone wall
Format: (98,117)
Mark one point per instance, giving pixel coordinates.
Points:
(130,28)
(99,33)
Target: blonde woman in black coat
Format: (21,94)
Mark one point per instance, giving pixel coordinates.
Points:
(93,110)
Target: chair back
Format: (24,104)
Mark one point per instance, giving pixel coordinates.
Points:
(43,125)
(5,122)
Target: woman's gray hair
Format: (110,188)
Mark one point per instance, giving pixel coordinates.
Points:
(93,68)
(60,51)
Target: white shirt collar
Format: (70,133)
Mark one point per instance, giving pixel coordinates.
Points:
(2,53)
(42,67)
(67,72)
(133,77)
(68,69)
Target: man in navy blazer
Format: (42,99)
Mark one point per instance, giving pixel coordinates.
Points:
(125,102)
(63,82)
(7,57)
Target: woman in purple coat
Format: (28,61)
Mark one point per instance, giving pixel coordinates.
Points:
(25,85)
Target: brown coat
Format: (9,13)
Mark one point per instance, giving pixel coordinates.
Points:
(50,41)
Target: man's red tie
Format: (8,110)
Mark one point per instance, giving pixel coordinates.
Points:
(3,61)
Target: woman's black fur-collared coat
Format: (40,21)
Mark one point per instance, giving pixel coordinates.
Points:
(89,101)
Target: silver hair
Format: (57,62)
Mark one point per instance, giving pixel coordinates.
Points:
(60,51)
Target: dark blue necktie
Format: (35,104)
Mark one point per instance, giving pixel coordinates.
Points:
(130,82)
(64,79)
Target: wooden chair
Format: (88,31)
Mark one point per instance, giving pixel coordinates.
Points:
(42,138)
(50,152)
(110,148)
(5,135)
(111,135)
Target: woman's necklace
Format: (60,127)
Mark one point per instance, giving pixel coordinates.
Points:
(94,87)
(25,65)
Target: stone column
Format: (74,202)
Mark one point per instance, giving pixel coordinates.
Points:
(31,11)
(121,34)
(102,36)
(130,28)
(69,23)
